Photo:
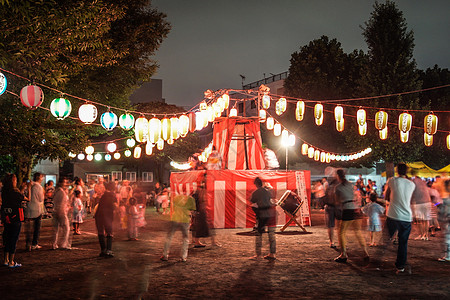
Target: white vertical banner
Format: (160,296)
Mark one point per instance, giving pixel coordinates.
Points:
(219,204)
(241,205)
(302,193)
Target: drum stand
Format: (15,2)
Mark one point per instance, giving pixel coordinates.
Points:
(292,218)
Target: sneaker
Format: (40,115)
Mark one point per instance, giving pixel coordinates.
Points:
(36,247)
(444,259)
(404,271)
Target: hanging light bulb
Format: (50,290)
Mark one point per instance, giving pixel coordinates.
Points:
(361,117)
(430,124)
(270,122)
(311,152)
(427,139)
(362,129)
(154,129)
(305,149)
(404,136)
(111,147)
(299,110)
(265,101)
(262,115)
(89,157)
(383,133)
(141,129)
(116,155)
(233,112)
(160,144)
(137,152)
(277,129)
(149,148)
(131,142)
(126,121)
(339,113)
(404,122)
(318,114)
(89,150)
(98,157)
(81,156)
(127,153)
(381,119)
(340,125)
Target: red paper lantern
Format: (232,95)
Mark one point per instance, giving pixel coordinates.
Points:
(31,96)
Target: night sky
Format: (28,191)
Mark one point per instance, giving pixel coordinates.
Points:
(212,42)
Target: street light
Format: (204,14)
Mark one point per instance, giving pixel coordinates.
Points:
(287,140)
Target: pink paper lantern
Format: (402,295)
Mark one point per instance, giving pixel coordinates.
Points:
(31,96)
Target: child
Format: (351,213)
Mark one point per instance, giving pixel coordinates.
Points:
(78,211)
(373,210)
(133,217)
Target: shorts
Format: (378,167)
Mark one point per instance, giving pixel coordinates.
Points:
(422,211)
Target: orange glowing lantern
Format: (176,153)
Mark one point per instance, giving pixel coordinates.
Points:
(448,141)
(404,136)
(361,117)
(265,101)
(383,133)
(404,122)
(381,119)
(174,128)
(203,106)
(192,121)
(362,129)
(340,125)
(137,152)
(149,148)
(430,124)
(160,144)
(154,130)
(270,123)
(318,114)
(300,110)
(226,100)
(339,113)
(141,129)
(311,152)
(322,157)
(277,129)
(262,115)
(328,158)
(316,155)
(233,112)
(183,125)
(165,129)
(427,139)
(305,149)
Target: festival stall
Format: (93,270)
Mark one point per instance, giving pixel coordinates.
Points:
(230,186)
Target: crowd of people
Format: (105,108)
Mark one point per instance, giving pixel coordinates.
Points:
(404,202)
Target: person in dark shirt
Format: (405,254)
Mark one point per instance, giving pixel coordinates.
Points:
(265,215)
(104,217)
(12,218)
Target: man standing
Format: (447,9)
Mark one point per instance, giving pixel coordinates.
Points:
(399,216)
(265,215)
(34,212)
(61,209)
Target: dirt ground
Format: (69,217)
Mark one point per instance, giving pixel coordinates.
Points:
(304,269)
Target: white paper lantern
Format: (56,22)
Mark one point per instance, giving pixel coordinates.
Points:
(87,113)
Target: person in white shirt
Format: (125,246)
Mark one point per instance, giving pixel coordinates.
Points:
(33,213)
(399,216)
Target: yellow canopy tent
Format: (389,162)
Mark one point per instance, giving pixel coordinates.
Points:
(422,170)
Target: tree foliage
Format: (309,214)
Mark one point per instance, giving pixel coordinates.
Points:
(99,50)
